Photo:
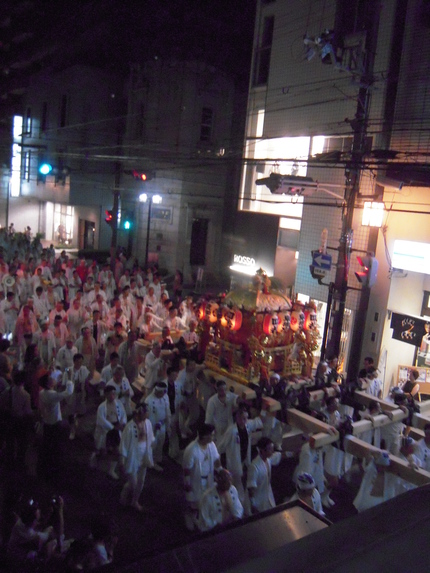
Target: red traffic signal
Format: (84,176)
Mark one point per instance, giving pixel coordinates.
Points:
(368,275)
(142,175)
(109,217)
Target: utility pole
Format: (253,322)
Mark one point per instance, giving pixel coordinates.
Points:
(371,16)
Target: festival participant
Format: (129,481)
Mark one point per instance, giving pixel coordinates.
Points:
(46,343)
(76,407)
(40,304)
(219,410)
(64,358)
(154,366)
(260,474)
(236,443)
(136,455)
(191,410)
(49,402)
(87,346)
(129,356)
(110,416)
(307,492)
(201,460)
(77,316)
(159,415)
(220,505)
(60,332)
(377,485)
(124,392)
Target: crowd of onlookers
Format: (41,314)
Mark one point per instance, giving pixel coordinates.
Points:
(72,328)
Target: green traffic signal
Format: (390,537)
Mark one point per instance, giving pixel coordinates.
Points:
(45,168)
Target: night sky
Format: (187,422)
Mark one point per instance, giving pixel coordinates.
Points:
(112,33)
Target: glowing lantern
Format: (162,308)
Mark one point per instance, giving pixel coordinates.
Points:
(270,323)
(211,311)
(284,322)
(231,319)
(297,318)
(202,311)
(311,322)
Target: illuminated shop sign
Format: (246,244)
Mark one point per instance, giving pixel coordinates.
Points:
(242,260)
(244,264)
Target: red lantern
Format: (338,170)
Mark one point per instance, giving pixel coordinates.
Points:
(297,318)
(270,323)
(231,319)
(311,322)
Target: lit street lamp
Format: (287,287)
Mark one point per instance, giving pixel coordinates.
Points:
(157,199)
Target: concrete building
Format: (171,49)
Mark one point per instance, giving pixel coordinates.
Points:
(310,80)
(70,122)
(179,129)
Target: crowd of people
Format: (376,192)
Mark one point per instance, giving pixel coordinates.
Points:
(71,328)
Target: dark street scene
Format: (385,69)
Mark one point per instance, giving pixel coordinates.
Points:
(214,286)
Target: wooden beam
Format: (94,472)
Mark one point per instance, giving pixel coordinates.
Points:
(425,407)
(419,420)
(399,467)
(319,395)
(323,433)
(378,421)
(364,398)
(241,390)
(270,405)
(416,434)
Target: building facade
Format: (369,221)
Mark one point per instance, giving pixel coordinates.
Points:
(335,90)
(179,130)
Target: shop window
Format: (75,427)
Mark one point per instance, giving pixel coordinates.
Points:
(288,238)
(263,53)
(63,223)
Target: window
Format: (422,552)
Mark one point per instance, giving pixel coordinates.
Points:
(26,157)
(27,123)
(63,111)
(206,124)
(63,223)
(44,117)
(263,53)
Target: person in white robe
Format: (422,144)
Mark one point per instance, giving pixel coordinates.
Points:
(136,455)
(260,475)
(220,505)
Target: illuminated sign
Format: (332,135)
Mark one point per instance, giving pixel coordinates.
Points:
(411,256)
(244,264)
(242,260)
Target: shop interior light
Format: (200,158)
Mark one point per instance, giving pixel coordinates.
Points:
(373,214)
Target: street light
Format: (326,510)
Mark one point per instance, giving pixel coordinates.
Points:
(157,199)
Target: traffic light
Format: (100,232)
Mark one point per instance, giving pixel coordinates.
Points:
(128,222)
(141,174)
(368,275)
(109,217)
(45,168)
(289,184)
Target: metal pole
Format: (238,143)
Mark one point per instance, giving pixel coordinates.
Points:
(147,232)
